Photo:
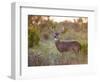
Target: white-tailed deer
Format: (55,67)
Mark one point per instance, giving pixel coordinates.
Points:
(67,45)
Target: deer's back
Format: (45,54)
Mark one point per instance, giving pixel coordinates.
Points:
(64,46)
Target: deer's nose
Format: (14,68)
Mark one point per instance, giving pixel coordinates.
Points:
(55,36)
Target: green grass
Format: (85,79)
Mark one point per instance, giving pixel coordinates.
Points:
(47,54)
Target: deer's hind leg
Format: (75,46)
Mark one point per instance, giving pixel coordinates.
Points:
(76,52)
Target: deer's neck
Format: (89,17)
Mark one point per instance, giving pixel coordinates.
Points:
(57,40)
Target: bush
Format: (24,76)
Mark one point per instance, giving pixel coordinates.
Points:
(33,37)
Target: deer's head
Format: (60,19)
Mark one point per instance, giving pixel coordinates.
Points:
(56,34)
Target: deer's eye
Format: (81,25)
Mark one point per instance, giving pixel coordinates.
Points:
(56,34)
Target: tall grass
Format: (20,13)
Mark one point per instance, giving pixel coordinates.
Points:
(47,54)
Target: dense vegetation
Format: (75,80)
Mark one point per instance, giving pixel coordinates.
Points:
(41,45)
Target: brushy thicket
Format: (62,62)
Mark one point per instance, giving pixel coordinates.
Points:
(33,37)
(41,46)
